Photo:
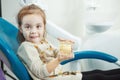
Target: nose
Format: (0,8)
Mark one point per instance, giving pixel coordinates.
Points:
(33,30)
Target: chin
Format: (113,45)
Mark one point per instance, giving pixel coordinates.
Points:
(35,41)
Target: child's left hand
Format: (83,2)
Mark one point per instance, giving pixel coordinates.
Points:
(62,56)
(66,50)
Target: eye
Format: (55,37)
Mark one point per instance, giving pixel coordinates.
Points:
(38,26)
(27,27)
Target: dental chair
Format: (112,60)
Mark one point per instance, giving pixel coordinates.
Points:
(9,46)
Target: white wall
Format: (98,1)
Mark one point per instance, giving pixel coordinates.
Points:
(10,9)
(68,14)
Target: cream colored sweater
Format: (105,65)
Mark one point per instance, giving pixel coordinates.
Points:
(35,57)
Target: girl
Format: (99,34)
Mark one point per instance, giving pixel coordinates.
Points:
(40,58)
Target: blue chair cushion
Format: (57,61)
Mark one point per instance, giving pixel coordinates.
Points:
(9,46)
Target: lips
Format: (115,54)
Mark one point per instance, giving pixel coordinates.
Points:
(33,37)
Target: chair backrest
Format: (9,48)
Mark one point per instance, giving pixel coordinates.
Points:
(9,46)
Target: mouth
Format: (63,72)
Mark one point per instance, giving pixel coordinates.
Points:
(33,37)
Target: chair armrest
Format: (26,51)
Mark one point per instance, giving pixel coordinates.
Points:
(92,55)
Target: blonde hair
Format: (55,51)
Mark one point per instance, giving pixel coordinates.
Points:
(31,9)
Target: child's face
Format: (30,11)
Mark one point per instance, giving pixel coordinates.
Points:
(33,28)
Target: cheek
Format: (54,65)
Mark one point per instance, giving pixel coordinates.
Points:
(41,31)
(25,33)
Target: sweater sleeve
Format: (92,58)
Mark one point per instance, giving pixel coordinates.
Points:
(30,57)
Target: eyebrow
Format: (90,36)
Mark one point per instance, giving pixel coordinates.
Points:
(26,24)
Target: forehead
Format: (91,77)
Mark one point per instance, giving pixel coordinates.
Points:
(32,18)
